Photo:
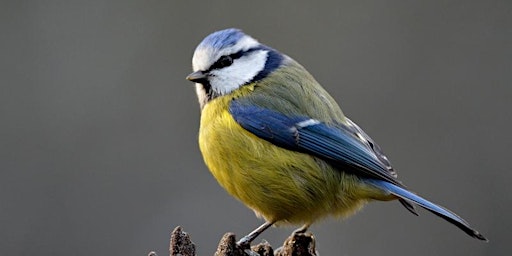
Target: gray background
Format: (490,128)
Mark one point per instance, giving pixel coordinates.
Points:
(98,152)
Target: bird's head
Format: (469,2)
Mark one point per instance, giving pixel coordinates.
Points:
(228,59)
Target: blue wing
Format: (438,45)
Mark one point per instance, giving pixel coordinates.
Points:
(345,146)
(338,145)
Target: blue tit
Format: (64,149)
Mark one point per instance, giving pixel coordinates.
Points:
(274,139)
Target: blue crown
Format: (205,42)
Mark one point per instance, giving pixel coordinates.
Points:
(222,38)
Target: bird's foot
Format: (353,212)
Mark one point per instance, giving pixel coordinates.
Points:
(245,242)
(301,230)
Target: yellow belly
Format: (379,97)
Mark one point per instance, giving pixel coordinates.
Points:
(278,184)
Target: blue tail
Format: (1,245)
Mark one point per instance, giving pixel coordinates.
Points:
(434,208)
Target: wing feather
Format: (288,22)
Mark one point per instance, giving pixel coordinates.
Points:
(337,145)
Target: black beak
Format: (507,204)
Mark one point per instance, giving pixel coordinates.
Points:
(197,77)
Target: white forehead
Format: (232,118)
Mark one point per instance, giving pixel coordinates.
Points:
(206,55)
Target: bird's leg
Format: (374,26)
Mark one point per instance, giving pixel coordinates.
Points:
(245,242)
(301,230)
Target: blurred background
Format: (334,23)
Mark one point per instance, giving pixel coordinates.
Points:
(98,126)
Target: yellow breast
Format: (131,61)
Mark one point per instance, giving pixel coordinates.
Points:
(279,184)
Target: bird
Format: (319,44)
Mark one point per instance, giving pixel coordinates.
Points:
(277,141)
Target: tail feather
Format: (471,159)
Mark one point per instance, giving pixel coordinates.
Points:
(409,206)
(440,211)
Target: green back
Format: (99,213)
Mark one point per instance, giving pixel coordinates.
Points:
(292,90)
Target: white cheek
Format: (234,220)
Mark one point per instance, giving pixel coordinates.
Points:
(242,70)
(201,95)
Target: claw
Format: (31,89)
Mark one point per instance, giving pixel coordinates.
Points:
(302,229)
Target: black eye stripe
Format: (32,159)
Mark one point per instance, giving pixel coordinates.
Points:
(222,62)
(237,55)
(227,60)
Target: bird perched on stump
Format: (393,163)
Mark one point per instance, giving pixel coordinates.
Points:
(277,141)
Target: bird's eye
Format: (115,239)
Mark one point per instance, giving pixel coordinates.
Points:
(223,62)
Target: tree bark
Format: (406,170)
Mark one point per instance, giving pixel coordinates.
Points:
(295,245)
